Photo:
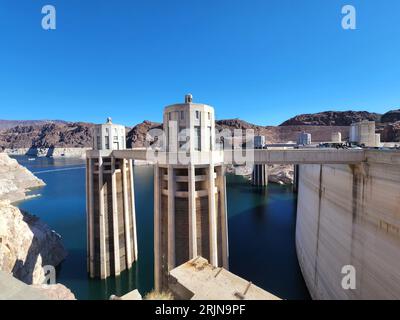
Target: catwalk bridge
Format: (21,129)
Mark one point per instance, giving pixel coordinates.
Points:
(256,156)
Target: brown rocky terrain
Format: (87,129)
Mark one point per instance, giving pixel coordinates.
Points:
(321,125)
(332,118)
(390,132)
(283,134)
(8,124)
(388,124)
(48,135)
(136,137)
(391,116)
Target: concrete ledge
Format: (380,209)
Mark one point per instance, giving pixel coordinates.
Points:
(198,280)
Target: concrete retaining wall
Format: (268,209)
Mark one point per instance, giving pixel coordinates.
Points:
(350,215)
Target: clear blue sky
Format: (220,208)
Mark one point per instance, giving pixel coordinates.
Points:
(261,60)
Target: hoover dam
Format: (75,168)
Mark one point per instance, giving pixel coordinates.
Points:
(350,215)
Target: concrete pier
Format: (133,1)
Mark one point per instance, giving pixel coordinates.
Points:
(259,177)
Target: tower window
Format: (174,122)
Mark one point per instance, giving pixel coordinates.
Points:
(197,138)
(209,116)
(211,142)
(107,142)
(182,115)
(197,114)
(98,143)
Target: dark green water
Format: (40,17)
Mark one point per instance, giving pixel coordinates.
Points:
(261,231)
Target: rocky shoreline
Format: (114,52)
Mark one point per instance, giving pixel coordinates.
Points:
(279,174)
(15,180)
(48,152)
(26,243)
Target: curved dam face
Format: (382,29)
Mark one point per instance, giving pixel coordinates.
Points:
(350,215)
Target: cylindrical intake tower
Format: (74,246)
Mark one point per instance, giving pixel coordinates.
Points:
(190,216)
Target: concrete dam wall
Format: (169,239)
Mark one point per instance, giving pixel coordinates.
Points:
(350,215)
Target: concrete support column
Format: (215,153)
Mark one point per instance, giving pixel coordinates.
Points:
(265,175)
(117,263)
(192,212)
(90,216)
(171,218)
(212,217)
(128,247)
(157,229)
(102,227)
(133,211)
(260,175)
(224,218)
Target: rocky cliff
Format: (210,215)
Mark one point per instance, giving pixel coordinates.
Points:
(15,180)
(26,245)
(332,118)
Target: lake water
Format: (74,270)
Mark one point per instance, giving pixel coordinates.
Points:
(261,231)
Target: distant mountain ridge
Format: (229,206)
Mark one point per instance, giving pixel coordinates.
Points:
(47,135)
(8,124)
(391,116)
(62,134)
(332,118)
